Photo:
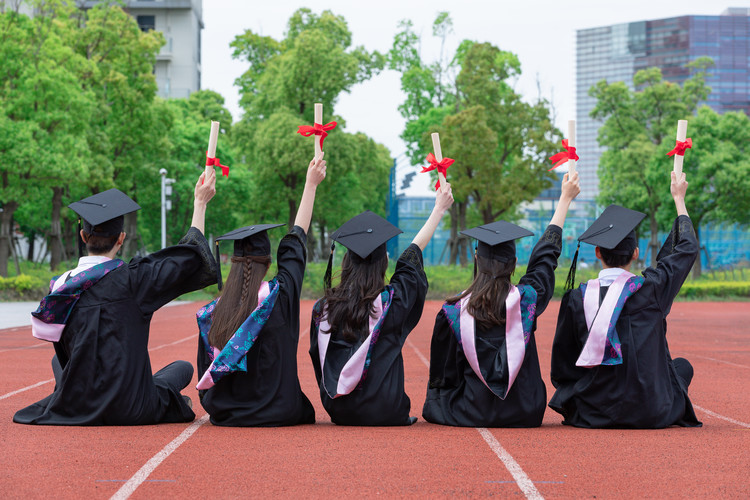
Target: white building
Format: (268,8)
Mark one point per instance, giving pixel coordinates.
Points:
(178,65)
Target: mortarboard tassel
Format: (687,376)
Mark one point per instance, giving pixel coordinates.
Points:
(80,239)
(218,265)
(475,262)
(327,277)
(570,282)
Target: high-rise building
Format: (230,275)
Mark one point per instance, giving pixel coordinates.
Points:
(616,53)
(178,64)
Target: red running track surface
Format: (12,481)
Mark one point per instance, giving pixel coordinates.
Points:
(424,460)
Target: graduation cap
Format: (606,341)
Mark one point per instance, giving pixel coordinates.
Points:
(497,240)
(248,240)
(365,236)
(103,213)
(614,230)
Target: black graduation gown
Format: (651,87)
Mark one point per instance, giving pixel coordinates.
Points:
(456,396)
(269,393)
(381,400)
(103,350)
(644,391)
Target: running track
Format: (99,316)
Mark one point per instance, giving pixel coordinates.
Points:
(199,460)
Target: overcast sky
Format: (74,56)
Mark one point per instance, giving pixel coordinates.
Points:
(541,32)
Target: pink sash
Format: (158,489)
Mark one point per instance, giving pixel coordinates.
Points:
(351,374)
(515,345)
(598,318)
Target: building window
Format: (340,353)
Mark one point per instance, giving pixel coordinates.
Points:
(146,23)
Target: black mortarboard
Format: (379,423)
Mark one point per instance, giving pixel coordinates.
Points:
(614,230)
(248,240)
(102,214)
(496,239)
(364,235)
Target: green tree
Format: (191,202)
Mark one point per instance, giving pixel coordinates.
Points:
(638,130)
(500,142)
(313,63)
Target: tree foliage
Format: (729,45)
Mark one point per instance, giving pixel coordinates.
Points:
(499,140)
(638,131)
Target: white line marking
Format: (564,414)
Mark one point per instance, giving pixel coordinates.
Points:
(194,336)
(716,415)
(520,477)
(45,344)
(27,388)
(718,360)
(139,477)
(522,480)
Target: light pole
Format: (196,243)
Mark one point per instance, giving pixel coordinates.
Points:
(166,203)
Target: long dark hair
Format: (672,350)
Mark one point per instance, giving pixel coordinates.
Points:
(488,291)
(349,305)
(239,297)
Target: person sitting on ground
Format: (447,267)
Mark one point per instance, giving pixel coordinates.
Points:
(484,366)
(98,317)
(247,351)
(611,365)
(359,327)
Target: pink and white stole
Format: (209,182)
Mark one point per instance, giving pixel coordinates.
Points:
(206,381)
(352,372)
(515,345)
(598,318)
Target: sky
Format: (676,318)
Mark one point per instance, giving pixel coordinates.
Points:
(541,32)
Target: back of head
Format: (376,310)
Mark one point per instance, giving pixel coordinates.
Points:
(622,253)
(349,305)
(239,297)
(101,239)
(488,291)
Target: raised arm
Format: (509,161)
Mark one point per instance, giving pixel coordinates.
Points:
(570,189)
(443,201)
(678,188)
(205,189)
(316,172)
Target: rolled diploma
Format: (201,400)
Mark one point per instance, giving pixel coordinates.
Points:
(318,119)
(681,135)
(212,140)
(571,144)
(438,156)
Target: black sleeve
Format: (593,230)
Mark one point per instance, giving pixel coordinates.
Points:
(673,262)
(566,347)
(291,258)
(442,354)
(314,355)
(163,276)
(409,287)
(540,273)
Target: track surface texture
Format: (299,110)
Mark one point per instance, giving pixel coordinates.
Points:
(199,460)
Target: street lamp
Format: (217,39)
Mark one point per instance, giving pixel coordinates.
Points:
(166,203)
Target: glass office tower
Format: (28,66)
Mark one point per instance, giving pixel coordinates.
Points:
(616,53)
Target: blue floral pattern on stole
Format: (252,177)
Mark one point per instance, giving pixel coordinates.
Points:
(233,357)
(56,307)
(613,347)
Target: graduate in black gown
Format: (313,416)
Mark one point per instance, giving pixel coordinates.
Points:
(359,328)
(98,317)
(611,365)
(484,366)
(247,348)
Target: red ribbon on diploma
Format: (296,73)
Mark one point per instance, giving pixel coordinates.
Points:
(214,162)
(681,146)
(441,167)
(317,129)
(563,156)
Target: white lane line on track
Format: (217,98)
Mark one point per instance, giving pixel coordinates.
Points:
(716,415)
(520,477)
(27,388)
(139,477)
(45,344)
(717,360)
(52,379)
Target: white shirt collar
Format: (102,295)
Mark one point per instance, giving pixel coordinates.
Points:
(83,263)
(608,276)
